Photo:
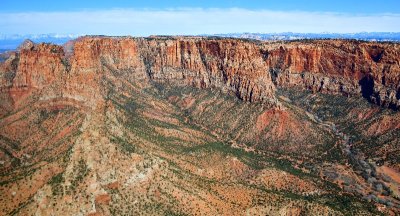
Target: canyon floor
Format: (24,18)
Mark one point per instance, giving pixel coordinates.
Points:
(168,150)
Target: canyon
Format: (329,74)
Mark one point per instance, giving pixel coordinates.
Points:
(180,125)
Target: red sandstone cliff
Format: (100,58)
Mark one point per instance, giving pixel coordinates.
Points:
(249,69)
(339,66)
(227,64)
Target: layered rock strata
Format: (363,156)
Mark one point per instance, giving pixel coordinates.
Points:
(338,66)
(250,69)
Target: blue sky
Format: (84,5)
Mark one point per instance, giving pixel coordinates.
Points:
(342,6)
(146,17)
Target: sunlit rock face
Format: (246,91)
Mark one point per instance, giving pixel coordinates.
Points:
(250,69)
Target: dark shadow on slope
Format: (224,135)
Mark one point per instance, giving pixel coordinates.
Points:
(398,94)
(367,87)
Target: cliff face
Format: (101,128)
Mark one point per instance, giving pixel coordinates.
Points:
(37,65)
(349,67)
(227,64)
(250,70)
(32,67)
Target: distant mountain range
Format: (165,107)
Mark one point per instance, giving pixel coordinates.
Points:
(367,36)
(9,42)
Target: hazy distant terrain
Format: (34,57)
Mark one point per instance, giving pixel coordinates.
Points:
(367,36)
(10,42)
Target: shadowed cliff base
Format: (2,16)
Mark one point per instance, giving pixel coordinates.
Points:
(367,87)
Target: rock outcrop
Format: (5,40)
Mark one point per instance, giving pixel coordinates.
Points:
(250,69)
(228,64)
(339,66)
